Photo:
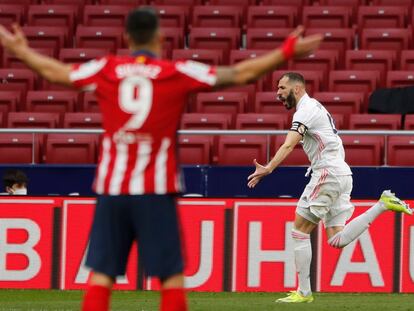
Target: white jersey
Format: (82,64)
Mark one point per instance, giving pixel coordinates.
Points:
(320,142)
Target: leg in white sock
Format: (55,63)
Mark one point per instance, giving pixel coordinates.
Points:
(303,257)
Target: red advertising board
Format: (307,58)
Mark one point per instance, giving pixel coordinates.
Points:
(77,215)
(407,253)
(203,223)
(365,265)
(262,246)
(26,236)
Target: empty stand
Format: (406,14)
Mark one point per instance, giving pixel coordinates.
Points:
(82,120)
(212,57)
(33,120)
(206,121)
(173,39)
(409,122)
(295,3)
(401,78)
(266,38)
(363,150)
(89,103)
(406,60)
(99,37)
(11,61)
(267,102)
(216,16)
(11,13)
(105,15)
(9,101)
(271,16)
(400,150)
(221,102)
(353,80)
(382,16)
(173,15)
(194,149)
(19,148)
(71,148)
(313,79)
(51,37)
(261,121)
(375,121)
(326,16)
(17,80)
(241,150)
(53,15)
(80,55)
(296,157)
(324,60)
(51,101)
(395,39)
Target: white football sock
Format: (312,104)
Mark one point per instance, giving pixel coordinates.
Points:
(303,257)
(357,226)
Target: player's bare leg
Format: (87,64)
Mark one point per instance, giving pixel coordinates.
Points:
(173,297)
(98,294)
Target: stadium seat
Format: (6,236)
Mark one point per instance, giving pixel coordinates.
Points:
(47,37)
(33,120)
(212,57)
(382,16)
(392,2)
(250,90)
(326,16)
(339,121)
(216,16)
(261,121)
(173,39)
(232,2)
(400,150)
(3,120)
(406,60)
(18,2)
(266,38)
(51,101)
(215,38)
(339,39)
(363,150)
(267,102)
(11,61)
(99,37)
(295,3)
(395,39)
(313,79)
(296,157)
(82,120)
(353,80)
(89,103)
(173,15)
(206,121)
(194,149)
(9,101)
(19,148)
(53,15)
(221,102)
(80,55)
(74,2)
(409,122)
(70,149)
(241,150)
(401,78)
(271,16)
(132,3)
(17,80)
(12,13)
(349,3)
(105,15)
(375,121)
(176,2)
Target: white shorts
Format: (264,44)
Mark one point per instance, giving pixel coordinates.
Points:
(327,198)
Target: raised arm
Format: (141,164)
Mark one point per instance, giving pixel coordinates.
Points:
(252,69)
(49,68)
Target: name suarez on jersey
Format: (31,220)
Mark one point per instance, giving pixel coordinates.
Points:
(126,70)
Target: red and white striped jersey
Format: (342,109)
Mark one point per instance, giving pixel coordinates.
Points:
(141,100)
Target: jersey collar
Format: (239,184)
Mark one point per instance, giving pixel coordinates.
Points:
(143,53)
(304,98)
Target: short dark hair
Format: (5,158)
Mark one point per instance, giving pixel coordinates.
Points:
(142,24)
(294,77)
(12,177)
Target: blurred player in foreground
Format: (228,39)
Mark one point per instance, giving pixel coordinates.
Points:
(327,196)
(141,99)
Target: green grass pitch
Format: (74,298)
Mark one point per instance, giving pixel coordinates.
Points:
(53,300)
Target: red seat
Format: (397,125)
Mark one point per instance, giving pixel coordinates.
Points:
(133,3)
(350,3)
(295,3)
(71,148)
(271,16)
(53,15)
(17,80)
(313,79)
(381,61)
(9,101)
(261,121)
(89,103)
(400,78)
(194,149)
(11,13)
(395,39)
(80,55)
(233,2)
(82,120)
(99,37)
(33,120)
(212,57)
(74,2)
(173,15)
(363,150)
(176,2)
(266,38)
(409,122)
(51,101)
(353,80)
(206,121)
(173,39)
(51,37)
(326,16)
(296,157)
(221,102)
(392,2)
(339,39)
(215,38)
(239,55)
(19,148)
(406,60)
(216,16)
(18,2)
(11,61)
(339,121)
(250,90)
(382,16)
(400,150)
(241,150)
(267,102)
(375,121)
(105,15)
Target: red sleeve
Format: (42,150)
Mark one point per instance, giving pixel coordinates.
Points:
(86,76)
(201,77)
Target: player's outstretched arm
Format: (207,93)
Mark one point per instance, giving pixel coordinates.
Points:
(292,139)
(252,69)
(49,68)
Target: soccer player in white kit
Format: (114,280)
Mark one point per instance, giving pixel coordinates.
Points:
(327,195)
